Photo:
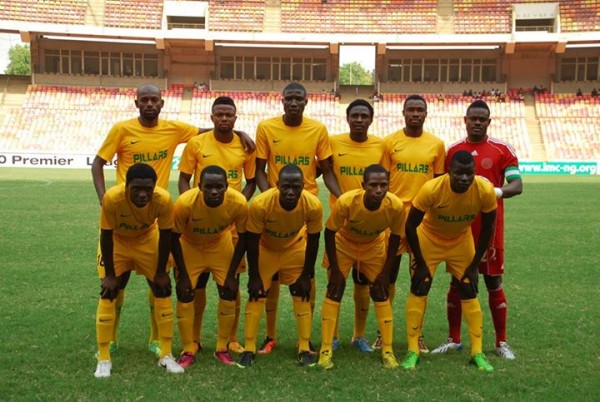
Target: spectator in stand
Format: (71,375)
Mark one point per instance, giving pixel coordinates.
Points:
(579,93)
(595,92)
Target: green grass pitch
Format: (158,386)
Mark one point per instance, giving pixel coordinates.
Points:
(50,289)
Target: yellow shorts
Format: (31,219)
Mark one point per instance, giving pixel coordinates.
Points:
(367,258)
(287,263)
(134,254)
(457,253)
(213,257)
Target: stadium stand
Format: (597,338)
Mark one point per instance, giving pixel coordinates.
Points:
(495,16)
(237,15)
(570,125)
(358,16)
(141,14)
(73,119)
(76,119)
(50,11)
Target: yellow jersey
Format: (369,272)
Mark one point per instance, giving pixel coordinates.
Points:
(449,215)
(205,150)
(200,224)
(280,228)
(301,145)
(134,143)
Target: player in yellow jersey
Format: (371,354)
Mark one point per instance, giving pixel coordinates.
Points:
(298,140)
(284,226)
(222,148)
(355,236)
(150,140)
(202,242)
(351,154)
(438,229)
(135,235)
(412,156)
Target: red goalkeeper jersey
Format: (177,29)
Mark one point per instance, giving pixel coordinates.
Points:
(496,161)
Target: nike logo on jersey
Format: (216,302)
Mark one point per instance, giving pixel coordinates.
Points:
(276,141)
(134,142)
(387,321)
(124,216)
(442,206)
(206,156)
(196,219)
(343,154)
(271,221)
(354,220)
(397,150)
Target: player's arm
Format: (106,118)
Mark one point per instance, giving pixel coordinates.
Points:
(329,177)
(98,177)
(255,285)
(336,282)
(382,282)
(488,221)
(238,253)
(183,287)
(162,283)
(184,182)
(110,283)
(511,188)
(261,175)
(247,142)
(308,270)
(249,188)
(421,276)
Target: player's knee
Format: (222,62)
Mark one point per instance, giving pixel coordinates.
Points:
(184,296)
(359,279)
(337,297)
(493,282)
(226,294)
(203,280)
(466,291)
(377,294)
(420,288)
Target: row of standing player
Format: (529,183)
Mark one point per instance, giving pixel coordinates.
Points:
(411,155)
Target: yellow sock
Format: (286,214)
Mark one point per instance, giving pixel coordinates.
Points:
(471,310)
(271,310)
(199,306)
(105,322)
(330,311)
(392,293)
(383,311)
(304,323)
(225,320)
(118,305)
(153,326)
(163,311)
(313,295)
(415,310)
(254,311)
(185,321)
(336,331)
(236,320)
(362,300)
